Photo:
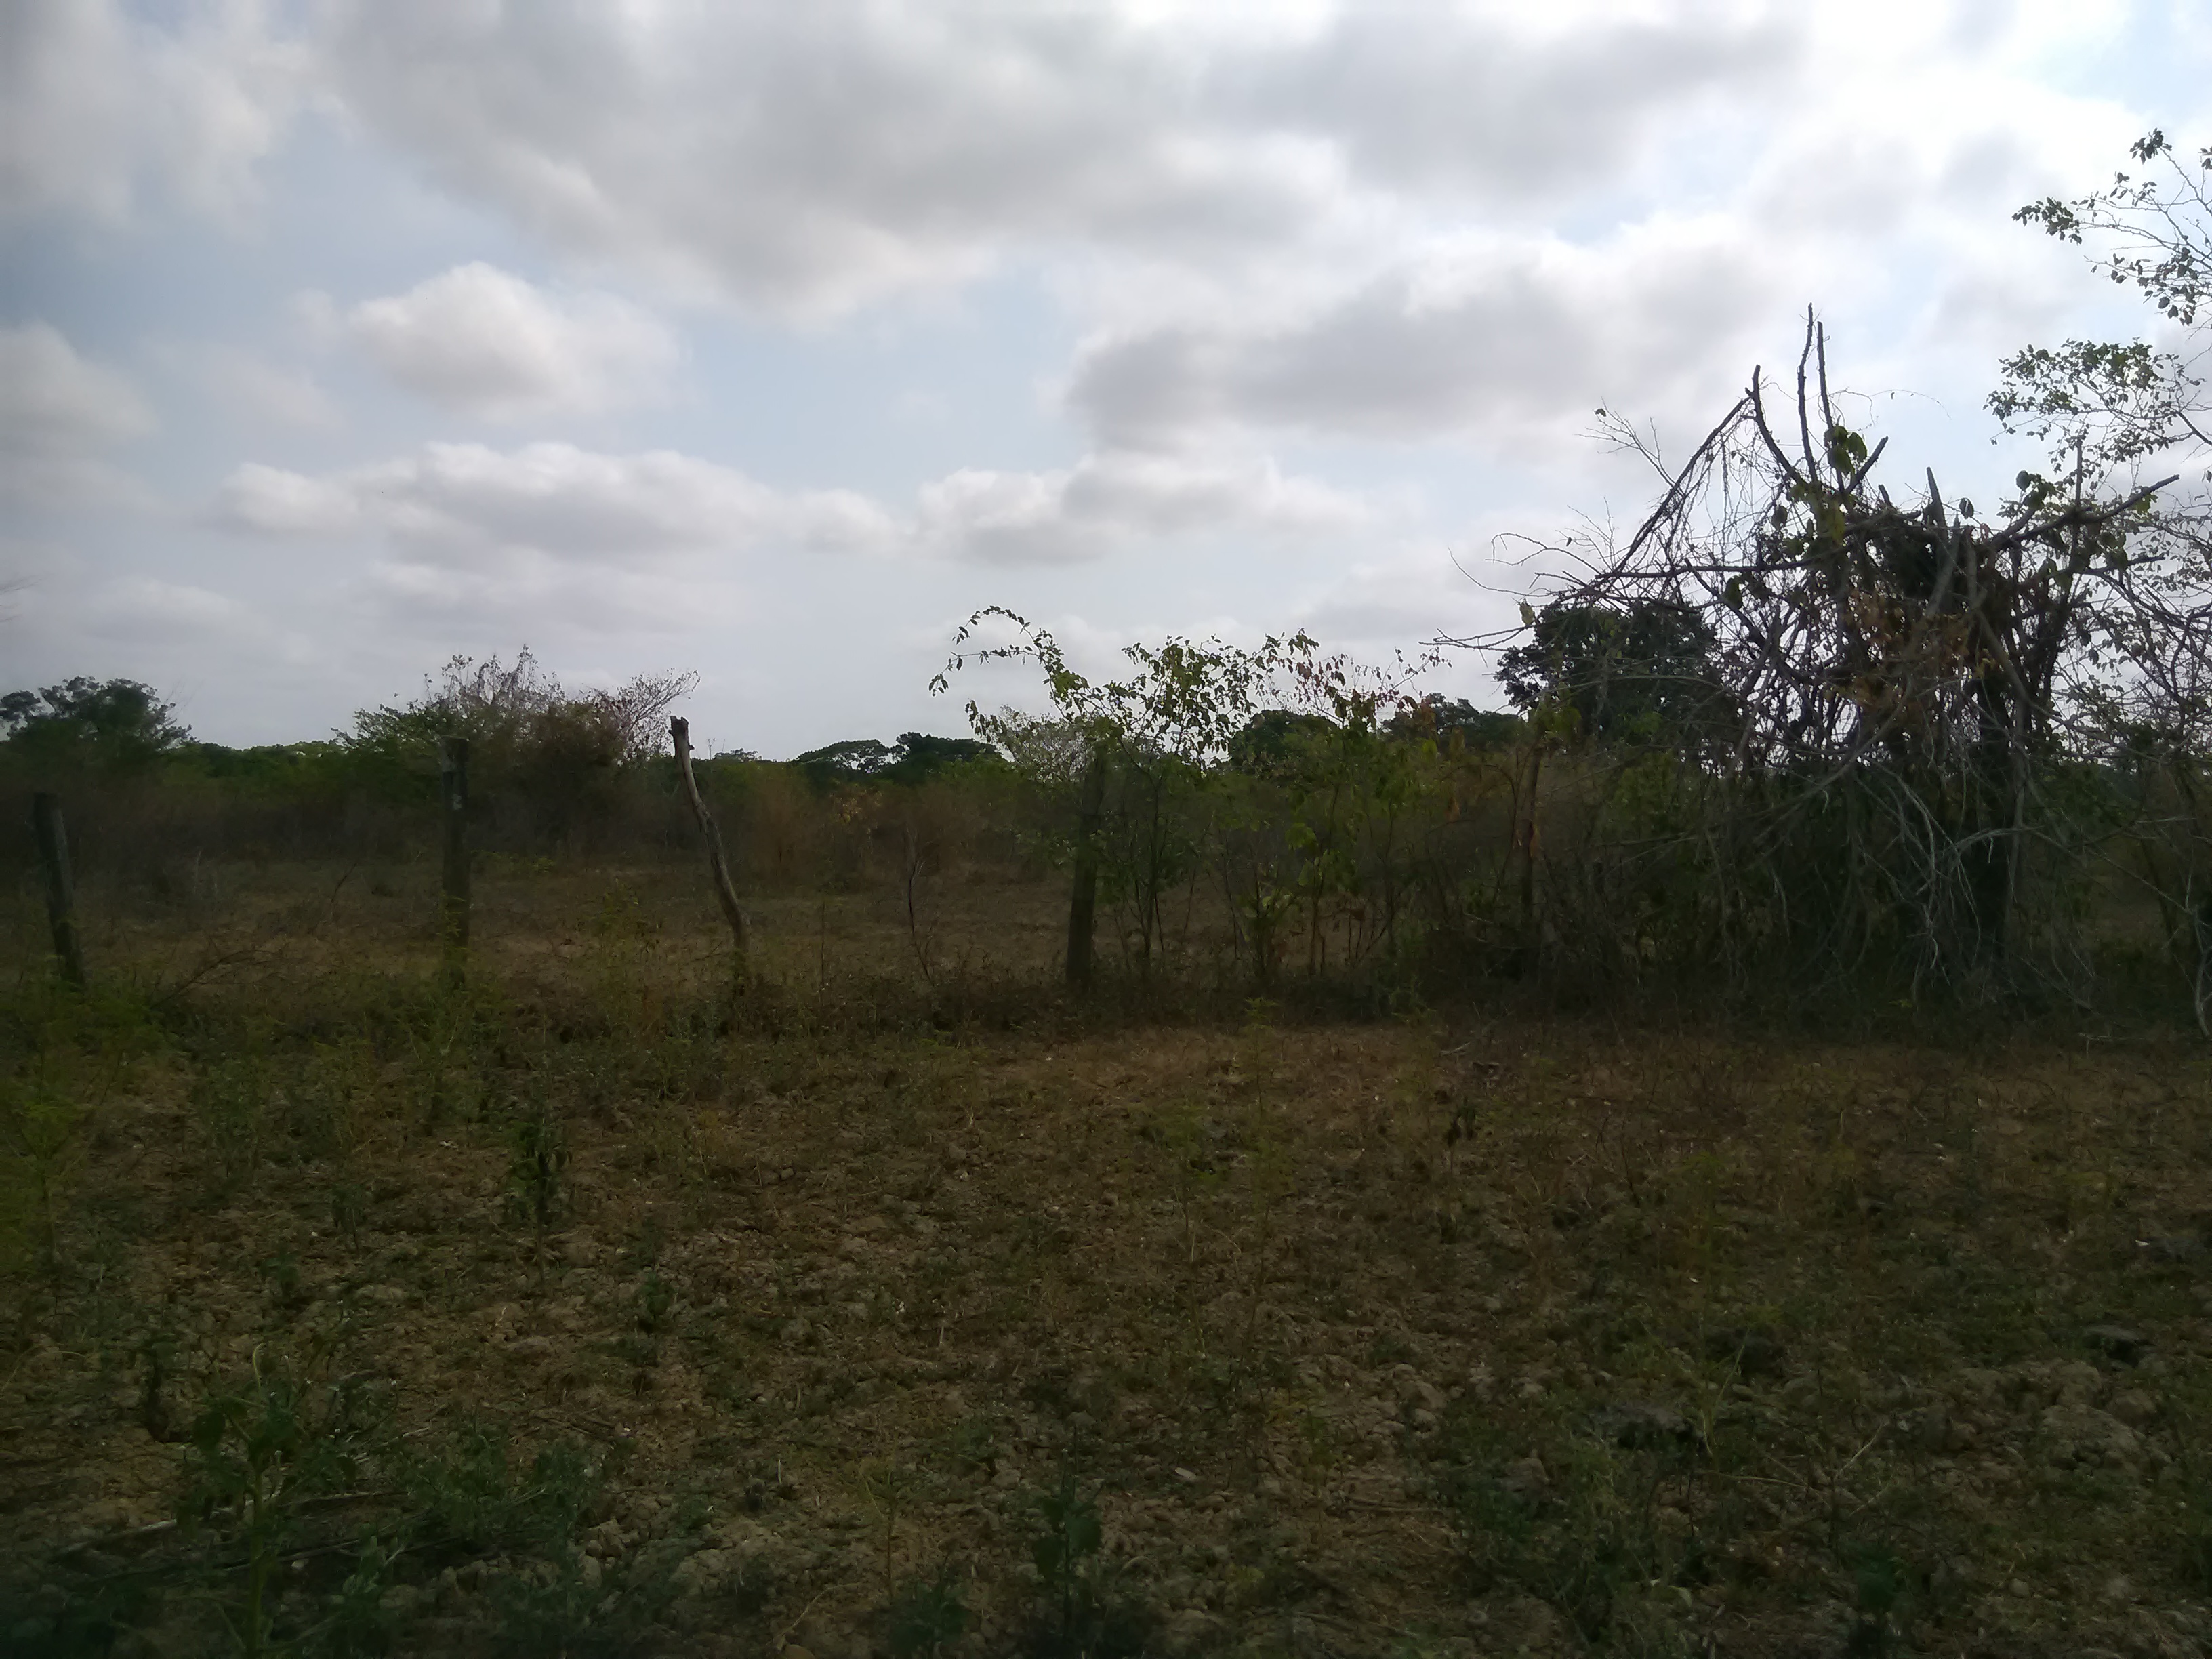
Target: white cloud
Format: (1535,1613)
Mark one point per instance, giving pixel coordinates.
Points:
(526,593)
(1507,101)
(1487,333)
(483,342)
(271,501)
(1386,221)
(249,383)
(805,156)
(1246,202)
(461,504)
(144,608)
(1117,499)
(99,100)
(1467,220)
(814,157)
(468,507)
(1408,596)
(59,414)
(548,534)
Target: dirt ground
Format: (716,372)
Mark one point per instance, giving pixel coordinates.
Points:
(878,1311)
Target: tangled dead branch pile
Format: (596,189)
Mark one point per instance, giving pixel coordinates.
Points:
(1905,725)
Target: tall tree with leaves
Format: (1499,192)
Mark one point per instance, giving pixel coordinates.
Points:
(1638,674)
(106,726)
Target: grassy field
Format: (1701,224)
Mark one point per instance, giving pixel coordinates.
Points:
(897,1305)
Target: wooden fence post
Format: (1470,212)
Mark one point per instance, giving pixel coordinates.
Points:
(1083,899)
(454,807)
(1531,936)
(679,733)
(61,891)
(2200,916)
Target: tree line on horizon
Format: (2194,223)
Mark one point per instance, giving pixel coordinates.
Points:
(518,720)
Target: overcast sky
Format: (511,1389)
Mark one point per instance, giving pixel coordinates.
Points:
(771,339)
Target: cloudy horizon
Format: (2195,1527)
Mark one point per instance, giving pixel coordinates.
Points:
(772,342)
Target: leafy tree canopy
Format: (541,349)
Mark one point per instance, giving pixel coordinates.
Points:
(1182,705)
(916,758)
(1268,742)
(108,724)
(1266,746)
(1634,672)
(848,762)
(1443,718)
(921,756)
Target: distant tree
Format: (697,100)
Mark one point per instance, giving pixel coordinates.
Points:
(916,758)
(849,762)
(556,752)
(1640,671)
(920,757)
(1268,743)
(107,725)
(521,712)
(267,766)
(1441,718)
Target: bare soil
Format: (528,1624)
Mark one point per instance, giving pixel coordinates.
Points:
(1459,1332)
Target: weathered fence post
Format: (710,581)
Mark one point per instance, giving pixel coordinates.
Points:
(61,892)
(454,807)
(2200,914)
(1525,838)
(1083,900)
(679,733)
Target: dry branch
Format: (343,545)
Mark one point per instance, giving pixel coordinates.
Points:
(1914,710)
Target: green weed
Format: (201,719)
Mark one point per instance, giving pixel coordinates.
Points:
(537,1170)
(230,1101)
(1881,1592)
(358,1622)
(253,1457)
(41,1135)
(925,1616)
(1580,1527)
(1082,1615)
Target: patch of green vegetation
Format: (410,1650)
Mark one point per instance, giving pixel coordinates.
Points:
(256,1457)
(1084,1609)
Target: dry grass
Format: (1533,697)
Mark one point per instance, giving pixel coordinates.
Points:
(1458,1334)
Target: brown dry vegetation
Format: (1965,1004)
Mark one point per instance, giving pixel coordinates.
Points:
(668,1321)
